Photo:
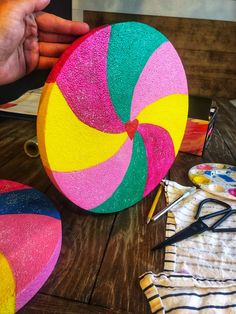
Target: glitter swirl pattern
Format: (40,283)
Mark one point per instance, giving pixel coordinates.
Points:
(112,116)
(30,243)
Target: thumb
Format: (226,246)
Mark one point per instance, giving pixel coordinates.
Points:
(40,4)
(32,6)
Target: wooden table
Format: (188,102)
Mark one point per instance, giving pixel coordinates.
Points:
(102,256)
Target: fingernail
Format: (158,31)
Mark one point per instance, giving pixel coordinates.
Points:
(86,27)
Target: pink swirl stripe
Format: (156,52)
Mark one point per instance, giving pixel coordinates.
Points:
(162,75)
(31,265)
(34,286)
(160,154)
(85,87)
(91,187)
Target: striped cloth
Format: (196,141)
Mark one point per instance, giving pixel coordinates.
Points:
(200,272)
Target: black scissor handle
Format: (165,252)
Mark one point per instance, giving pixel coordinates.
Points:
(222,219)
(226,206)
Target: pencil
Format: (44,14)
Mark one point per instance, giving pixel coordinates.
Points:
(156,199)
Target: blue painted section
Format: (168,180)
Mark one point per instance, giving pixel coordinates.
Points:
(226,178)
(27,201)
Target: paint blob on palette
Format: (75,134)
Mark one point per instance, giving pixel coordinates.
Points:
(112,116)
(218,179)
(30,243)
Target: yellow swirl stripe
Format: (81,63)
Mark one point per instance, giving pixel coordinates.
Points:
(7,287)
(170,113)
(65,142)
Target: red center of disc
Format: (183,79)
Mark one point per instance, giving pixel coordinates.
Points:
(131,128)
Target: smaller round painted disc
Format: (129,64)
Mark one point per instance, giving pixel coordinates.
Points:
(217,179)
(30,243)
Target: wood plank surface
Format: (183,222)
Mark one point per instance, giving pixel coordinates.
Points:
(226,126)
(102,256)
(52,305)
(13,134)
(84,240)
(193,34)
(14,163)
(207,48)
(128,256)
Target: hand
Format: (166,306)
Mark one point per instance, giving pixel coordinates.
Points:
(31,39)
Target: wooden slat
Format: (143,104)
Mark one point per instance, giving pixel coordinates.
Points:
(226,126)
(218,150)
(45,304)
(210,73)
(128,256)
(85,237)
(209,87)
(103,255)
(207,48)
(14,163)
(209,63)
(185,33)
(13,134)
(25,170)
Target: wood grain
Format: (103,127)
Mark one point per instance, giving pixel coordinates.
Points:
(52,305)
(226,126)
(207,48)
(13,134)
(185,33)
(85,237)
(14,163)
(103,255)
(129,255)
(218,150)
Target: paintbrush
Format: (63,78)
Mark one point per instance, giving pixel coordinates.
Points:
(177,201)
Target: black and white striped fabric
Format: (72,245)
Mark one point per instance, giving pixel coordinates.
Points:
(200,272)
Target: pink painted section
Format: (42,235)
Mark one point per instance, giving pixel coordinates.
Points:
(84,83)
(163,75)
(232,192)
(29,242)
(66,54)
(204,167)
(160,154)
(91,187)
(25,295)
(9,186)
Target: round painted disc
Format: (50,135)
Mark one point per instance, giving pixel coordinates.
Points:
(217,179)
(112,116)
(30,243)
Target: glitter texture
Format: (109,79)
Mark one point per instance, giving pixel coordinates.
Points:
(30,237)
(131,45)
(113,116)
(86,192)
(160,154)
(83,82)
(163,75)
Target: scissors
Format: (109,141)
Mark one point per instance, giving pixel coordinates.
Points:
(199,226)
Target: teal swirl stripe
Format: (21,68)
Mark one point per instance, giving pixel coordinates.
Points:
(130,46)
(132,187)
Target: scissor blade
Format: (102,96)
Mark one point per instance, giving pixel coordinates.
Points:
(195,228)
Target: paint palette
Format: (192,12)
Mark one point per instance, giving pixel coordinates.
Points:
(218,179)
(30,243)
(112,116)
